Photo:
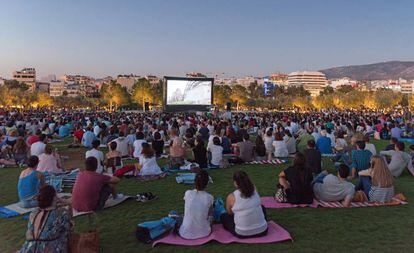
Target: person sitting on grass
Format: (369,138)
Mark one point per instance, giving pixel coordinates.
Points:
(30,181)
(324,143)
(138,144)
(399,160)
(148,162)
(377,182)
(157,144)
(245,216)
(49,161)
(200,153)
(88,137)
(197,209)
(391,146)
(20,151)
(49,225)
(95,152)
(216,152)
(113,159)
(313,158)
(280,147)
(360,158)
(92,189)
(328,187)
(369,146)
(259,149)
(177,153)
(245,148)
(296,181)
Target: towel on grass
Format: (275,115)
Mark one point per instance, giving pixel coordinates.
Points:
(275,234)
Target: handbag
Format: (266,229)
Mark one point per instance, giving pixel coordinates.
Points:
(280,194)
(149,231)
(84,242)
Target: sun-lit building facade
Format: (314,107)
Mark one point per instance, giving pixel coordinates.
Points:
(312,81)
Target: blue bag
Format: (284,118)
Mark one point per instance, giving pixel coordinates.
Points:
(218,209)
(151,230)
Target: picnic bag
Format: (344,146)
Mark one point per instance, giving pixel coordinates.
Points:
(280,194)
(218,209)
(85,242)
(151,230)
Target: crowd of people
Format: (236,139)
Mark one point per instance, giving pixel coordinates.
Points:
(209,140)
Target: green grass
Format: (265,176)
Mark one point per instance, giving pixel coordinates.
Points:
(379,229)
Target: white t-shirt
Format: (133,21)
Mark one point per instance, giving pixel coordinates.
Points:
(280,149)
(138,148)
(122,146)
(268,141)
(98,155)
(196,224)
(149,166)
(248,214)
(97,130)
(37,148)
(216,154)
(371,147)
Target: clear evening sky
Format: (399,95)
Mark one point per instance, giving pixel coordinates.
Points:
(172,37)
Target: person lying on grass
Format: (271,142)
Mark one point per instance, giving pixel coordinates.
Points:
(330,188)
(197,210)
(91,189)
(245,216)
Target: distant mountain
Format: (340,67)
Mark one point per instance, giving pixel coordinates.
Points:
(376,71)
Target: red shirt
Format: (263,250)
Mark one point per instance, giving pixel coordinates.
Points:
(32,139)
(78,134)
(85,193)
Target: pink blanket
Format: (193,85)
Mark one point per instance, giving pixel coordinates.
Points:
(270,202)
(275,234)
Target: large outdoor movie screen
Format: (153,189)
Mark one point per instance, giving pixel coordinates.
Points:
(189,92)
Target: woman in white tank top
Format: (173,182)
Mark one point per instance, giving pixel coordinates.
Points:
(245,215)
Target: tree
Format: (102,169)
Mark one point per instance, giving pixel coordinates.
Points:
(142,92)
(221,94)
(298,91)
(14,84)
(327,90)
(345,89)
(238,95)
(114,94)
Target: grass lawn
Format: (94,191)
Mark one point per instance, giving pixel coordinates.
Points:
(378,229)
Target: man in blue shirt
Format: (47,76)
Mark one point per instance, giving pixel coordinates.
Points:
(361,158)
(324,143)
(88,138)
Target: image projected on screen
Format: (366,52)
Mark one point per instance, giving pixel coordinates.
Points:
(188,92)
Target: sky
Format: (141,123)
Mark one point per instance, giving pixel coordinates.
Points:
(215,37)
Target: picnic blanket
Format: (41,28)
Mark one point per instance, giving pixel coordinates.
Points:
(151,177)
(275,234)
(271,203)
(274,161)
(188,178)
(15,209)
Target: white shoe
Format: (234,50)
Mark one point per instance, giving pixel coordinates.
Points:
(118,196)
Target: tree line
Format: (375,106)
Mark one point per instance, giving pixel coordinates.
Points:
(113,96)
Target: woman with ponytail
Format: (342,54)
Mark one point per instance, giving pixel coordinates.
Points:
(296,181)
(245,217)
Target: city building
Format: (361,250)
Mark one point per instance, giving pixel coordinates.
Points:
(246,81)
(127,81)
(345,81)
(312,81)
(78,79)
(195,74)
(42,86)
(278,79)
(56,88)
(27,76)
(154,80)
(1,81)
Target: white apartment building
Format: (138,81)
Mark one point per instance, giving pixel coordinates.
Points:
(27,76)
(312,81)
(154,80)
(336,83)
(406,86)
(56,88)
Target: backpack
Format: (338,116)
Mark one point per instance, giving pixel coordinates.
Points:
(151,230)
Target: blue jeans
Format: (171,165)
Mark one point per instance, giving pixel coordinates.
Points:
(364,184)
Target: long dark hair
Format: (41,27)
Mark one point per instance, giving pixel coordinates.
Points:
(243,183)
(201,180)
(299,163)
(46,196)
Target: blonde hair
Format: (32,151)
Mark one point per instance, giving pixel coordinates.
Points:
(381,175)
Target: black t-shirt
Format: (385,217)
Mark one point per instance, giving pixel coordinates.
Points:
(313,160)
(200,155)
(300,191)
(158,146)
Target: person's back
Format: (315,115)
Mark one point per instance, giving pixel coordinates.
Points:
(94,152)
(122,145)
(37,148)
(49,163)
(333,189)
(313,160)
(196,212)
(29,183)
(300,191)
(248,214)
(149,166)
(246,149)
(87,139)
(324,145)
